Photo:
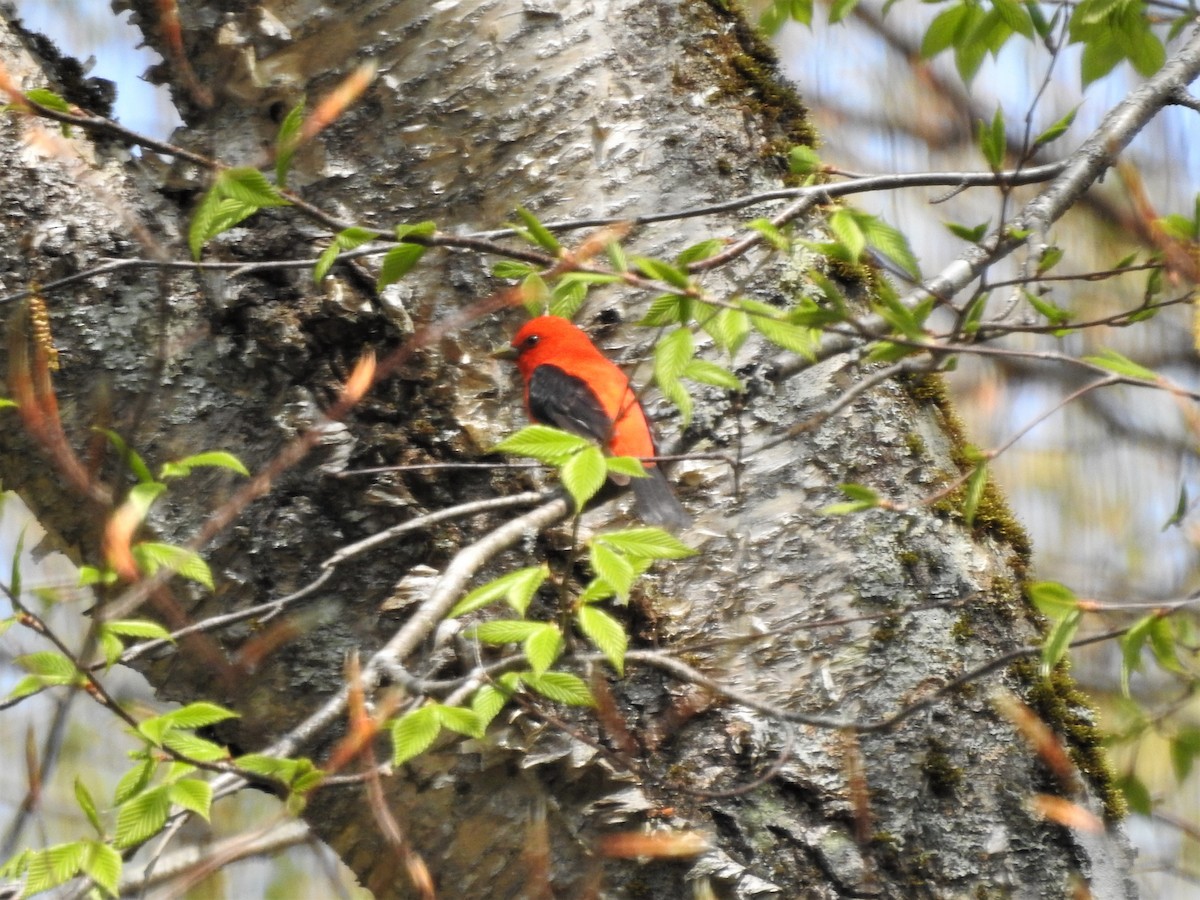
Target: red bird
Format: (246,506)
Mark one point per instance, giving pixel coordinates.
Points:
(571,385)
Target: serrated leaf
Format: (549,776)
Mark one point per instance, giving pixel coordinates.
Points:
(542,647)
(803,160)
(192,794)
(460,720)
(567,298)
(507,268)
(1053,600)
(503,631)
(103,865)
(892,243)
(517,588)
(663,271)
(972,234)
(975,487)
(137,628)
(285,142)
(487,703)
(629,466)
(584,474)
(710,373)
(860,498)
(537,232)
(1058,641)
(53,866)
(561,687)
(613,567)
(1121,365)
(136,464)
(193,747)
(133,781)
(151,556)
(398,262)
(414,733)
(535,295)
(646,542)
(1131,649)
(84,798)
(668,309)
(993,143)
(796,338)
(848,232)
(597,589)
(1054,314)
(49,665)
(672,354)
(550,445)
(729,328)
(606,633)
(249,186)
(1056,130)
(1185,747)
(771,234)
(426,228)
(944,31)
(217,459)
(198,715)
(697,252)
(1162,645)
(1136,795)
(1181,509)
(141,817)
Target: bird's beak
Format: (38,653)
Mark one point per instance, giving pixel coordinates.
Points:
(507,352)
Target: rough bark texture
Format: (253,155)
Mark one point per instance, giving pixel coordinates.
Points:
(571,109)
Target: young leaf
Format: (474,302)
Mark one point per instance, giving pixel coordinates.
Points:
(971,234)
(584,474)
(487,703)
(285,142)
(102,864)
(628,466)
(192,794)
(516,588)
(606,633)
(537,232)
(414,733)
(561,687)
(197,715)
(507,268)
(1121,365)
(218,459)
(151,557)
(614,568)
(803,160)
(647,543)
(142,817)
(543,443)
(397,263)
(84,798)
(461,720)
(975,485)
(664,272)
(1058,640)
(861,498)
(710,373)
(136,464)
(697,252)
(993,142)
(542,647)
(503,631)
(770,233)
(1053,600)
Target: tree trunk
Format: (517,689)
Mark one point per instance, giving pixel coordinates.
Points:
(574,110)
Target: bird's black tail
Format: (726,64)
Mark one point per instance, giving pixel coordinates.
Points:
(656,502)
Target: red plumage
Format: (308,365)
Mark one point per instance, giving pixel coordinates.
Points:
(571,385)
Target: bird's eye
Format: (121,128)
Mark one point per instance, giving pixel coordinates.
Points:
(530,342)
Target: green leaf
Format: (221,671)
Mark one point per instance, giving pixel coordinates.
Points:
(218,459)
(770,233)
(629,466)
(142,817)
(847,230)
(710,373)
(487,703)
(944,30)
(803,160)
(597,589)
(975,487)
(729,328)
(613,567)
(568,297)
(1136,795)
(250,186)
(414,733)
(137,628)
(892,243)
(1053,600)
(1054,314)
(507,268)
(839,9)
(550,445)
(1100,56)
(1015,16)
(584,474)
(972,234)
(136,464)
(415,229)
(198,715)
(646,542)
(47,98)
(668,309)
(53,866)
(84,798)
(285,142)
(672,355)
(503,631)
(1131,649)
(103,865)
(516,588)
(134,781)
(561,687)
(460,720)
(542,647)
(796,338)
(662,271)
(993,141)
(860,498)
(1181,509)
(535,295)
(189,745)
(1121,365)
(1058,641)
(49,666)
(1185,747)
(606,633)
(1162,645)
(347,239)
(538,232)
(1056,130)
(697,252)
(192,794)
(398,262)
(151,557)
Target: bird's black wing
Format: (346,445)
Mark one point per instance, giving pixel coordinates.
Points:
(564,401)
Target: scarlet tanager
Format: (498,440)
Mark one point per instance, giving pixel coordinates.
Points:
(569,384)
